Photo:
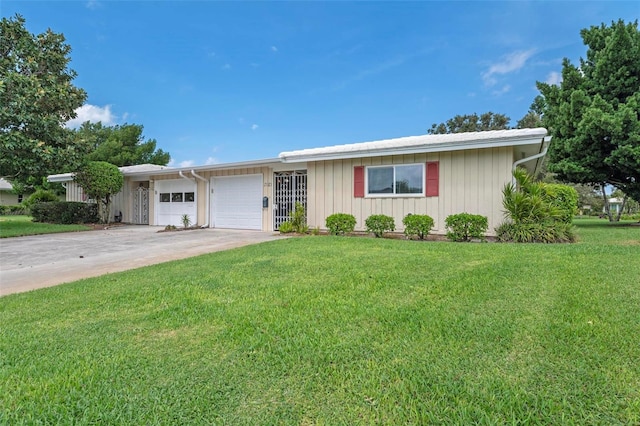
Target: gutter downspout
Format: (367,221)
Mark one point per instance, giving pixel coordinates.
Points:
(197,176)
(183,176)
(546,139)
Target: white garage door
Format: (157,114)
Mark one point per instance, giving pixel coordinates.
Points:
(237,202)
(175,198)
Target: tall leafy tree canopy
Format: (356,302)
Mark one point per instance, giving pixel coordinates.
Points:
(121,145)
(593,113)
(471,123)
(36,98)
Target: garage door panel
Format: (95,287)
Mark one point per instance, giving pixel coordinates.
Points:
(168,205)
(237,202)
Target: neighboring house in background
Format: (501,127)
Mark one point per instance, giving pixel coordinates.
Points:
(615,205)
(7,196)
(438,175)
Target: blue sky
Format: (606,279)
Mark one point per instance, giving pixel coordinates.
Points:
(217,82)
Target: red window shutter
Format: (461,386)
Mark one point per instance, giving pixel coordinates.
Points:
(432,179)
(358,181)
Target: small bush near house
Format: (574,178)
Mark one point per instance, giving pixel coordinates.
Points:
(536,212)
(286,228)
(466,227)
(186,220)
(40,196)
(378,224)
(564,198)
(65,212)
(298,219)
(417,224)
(556,232)
(15,210)
(340,223)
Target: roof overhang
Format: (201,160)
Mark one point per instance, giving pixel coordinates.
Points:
(420,144)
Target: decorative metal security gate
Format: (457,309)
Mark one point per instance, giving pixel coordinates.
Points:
(289,188)
(141,206)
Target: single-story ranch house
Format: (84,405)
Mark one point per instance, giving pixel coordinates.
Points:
(438,175)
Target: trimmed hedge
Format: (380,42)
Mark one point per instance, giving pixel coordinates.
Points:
(417,224)
(40,196)
(340,223)
(564,198)
(466,227)
(379,224)
(65,212)
(14,210)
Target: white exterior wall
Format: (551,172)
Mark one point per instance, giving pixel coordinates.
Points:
(202,199)
(119,202)
(470,181)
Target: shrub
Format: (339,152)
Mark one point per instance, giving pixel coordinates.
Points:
(379,224)
(40,196)
(13,210)
(286,228)
(340,223)
(554,232)
(466,226)
(298,219)
(537,212)
(564,198)
(417,224)
(65,212)
(186,220)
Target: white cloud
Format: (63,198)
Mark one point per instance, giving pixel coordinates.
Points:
(274,49)
(211,160)
(187,163)
(93,4)
(226,66)
(509,63)
(92,113)
(502,91)
(554,78)
(254,127)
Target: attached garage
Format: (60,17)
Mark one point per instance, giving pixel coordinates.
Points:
(236,202)
(176,197)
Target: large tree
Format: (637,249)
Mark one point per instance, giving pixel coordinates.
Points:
(471,123)
(122,145)
(101,181)
(36,98)
(593,113)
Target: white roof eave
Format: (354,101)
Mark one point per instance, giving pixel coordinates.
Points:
(300,156)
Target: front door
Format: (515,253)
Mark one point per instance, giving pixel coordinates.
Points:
(141,205)
(289,188)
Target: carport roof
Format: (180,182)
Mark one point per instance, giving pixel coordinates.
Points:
(126,170)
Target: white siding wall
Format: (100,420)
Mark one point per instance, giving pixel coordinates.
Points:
(203,212)
(470,181)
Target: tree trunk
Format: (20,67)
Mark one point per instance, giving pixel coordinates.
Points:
(607,209)
(624,201)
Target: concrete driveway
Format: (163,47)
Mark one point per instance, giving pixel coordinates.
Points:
(28,263)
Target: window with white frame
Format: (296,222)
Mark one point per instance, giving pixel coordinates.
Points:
(405,179)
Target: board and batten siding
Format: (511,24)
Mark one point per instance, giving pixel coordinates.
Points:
(119,202)
(470,181)
(203,211)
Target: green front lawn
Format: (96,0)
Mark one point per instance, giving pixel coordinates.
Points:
(331,330)
(19,226)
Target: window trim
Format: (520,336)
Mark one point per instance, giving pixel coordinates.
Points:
(394,195)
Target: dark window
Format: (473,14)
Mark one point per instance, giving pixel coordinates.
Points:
(176,197)
(165,197)
(398,180)
(189,197)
